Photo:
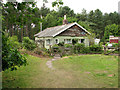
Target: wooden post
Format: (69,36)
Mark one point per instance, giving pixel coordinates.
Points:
(50,50)
(104,49)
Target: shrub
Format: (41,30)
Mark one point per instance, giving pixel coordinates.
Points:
(61,44)
(101,43)
(11,57)
(41,51)
(86,50)
(56,48)
(106,44)
(28,44)
(95,48)
(115,45)
(74,41)
(68,45)
(14,42)
(38,51)
(79,48)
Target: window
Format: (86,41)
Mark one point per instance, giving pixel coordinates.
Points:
(67,41)
(79,41)
(48,42)
(56,41)
(82,40)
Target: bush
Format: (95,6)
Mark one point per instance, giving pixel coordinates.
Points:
(68,45)
(56,48)
(79,48)
(41,51)
(38,51)
(61,44)
(74,41)
(115,45)
(95,48)
(11,57)
(14,42)
(28,44)
(86,50)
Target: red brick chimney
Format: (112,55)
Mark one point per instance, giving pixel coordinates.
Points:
(65,21)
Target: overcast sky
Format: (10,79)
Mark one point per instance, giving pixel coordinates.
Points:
(77,5)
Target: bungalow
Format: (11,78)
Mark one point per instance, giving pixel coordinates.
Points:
(66,33)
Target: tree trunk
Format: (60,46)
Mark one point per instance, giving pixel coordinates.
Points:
(7,26)
(26,30)
(12,31)
(21,33)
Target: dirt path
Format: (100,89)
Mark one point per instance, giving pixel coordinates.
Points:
(49,63)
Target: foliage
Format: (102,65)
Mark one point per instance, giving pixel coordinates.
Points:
(111,30)
(55,45)
(11,57)
(66,11)
(74,41)
(56,48)
(28,44)
(86,50)
(95,48)
(57,3)
(23,19)
(14,42)
(61,44)
(38,51)
(106,44)
(82,16)
(115,45)
(41,51)
(79,47)
(68,45)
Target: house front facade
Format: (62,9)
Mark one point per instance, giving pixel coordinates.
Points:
(66,33)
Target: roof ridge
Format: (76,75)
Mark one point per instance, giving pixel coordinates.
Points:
(59,25)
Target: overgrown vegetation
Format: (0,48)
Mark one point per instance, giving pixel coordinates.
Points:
(95,48)
(28,44)
(11,57)
(78,48)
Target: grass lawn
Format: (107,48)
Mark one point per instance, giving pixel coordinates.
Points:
(87,71)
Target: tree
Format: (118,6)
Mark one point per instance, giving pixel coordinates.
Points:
(111,30)
(50,20)
(57,3)
(83,15)
(97,18)
(91,16)
(11,58)
(114,17)
(44,10)
(66,11)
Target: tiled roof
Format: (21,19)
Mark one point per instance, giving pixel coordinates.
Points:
(53,31)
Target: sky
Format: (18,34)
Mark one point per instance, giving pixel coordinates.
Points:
(106,6)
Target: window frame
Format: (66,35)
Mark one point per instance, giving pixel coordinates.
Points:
(83,41)
(48,42)
(57,41)
(68,42)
